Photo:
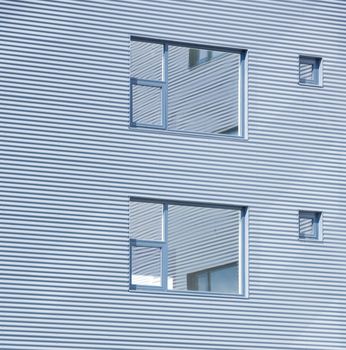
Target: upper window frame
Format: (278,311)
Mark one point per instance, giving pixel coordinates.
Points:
(163,84)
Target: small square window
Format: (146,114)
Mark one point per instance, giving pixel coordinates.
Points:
(310,70)
(309,225)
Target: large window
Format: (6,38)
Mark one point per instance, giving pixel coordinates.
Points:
(185,247)
(187,88)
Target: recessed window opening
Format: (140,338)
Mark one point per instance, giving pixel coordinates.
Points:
(167,94)
(184,247)
(310,225)
(310,70)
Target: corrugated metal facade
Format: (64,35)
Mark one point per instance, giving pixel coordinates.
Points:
(70,163)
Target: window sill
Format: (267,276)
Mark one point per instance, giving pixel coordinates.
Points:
(191,294)
(311,85)
(313,240)
(191,134)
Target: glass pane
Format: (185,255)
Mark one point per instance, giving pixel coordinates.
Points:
(146,220)
(146,266)
(216,54)
(146,60)
(203,56)
(224,279)
(203,281)
(201,239)
(146,105)
(306,228)
(306,71)
(203,98)
(193,57)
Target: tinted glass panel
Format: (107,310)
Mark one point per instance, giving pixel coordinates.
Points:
(203,98)
(306,227)
(202,281)
(146,266)
(200,239)
(146,104)
(146,60)
(224,280)
(146,220)
(306,71)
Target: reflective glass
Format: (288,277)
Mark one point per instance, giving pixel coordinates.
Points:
(146,266)
(146,105)
(203,97)
(146,220)
(146,60)
(201,240)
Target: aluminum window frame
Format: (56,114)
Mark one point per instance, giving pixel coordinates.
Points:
(242,88)
(163,245)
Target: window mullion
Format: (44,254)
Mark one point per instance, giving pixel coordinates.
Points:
(242,264)
(315,72)
(315,226)
(165,246)
(242,97)
(165,86)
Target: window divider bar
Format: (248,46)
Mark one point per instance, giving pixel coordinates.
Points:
(316,221)
(243,253)
(131,103)
(165,246)
(242,95)
(146,243)
(315,71)
(165,86)
(148,82)
(149,126)
(131,286)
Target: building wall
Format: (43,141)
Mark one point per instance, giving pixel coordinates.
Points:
(70,163)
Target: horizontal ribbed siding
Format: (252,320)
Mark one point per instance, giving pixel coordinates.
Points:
(69,164)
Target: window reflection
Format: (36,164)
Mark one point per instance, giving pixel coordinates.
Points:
(186,89)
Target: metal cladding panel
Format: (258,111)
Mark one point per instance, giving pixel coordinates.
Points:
(69,164)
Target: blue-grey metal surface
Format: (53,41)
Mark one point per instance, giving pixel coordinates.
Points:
(69,164)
